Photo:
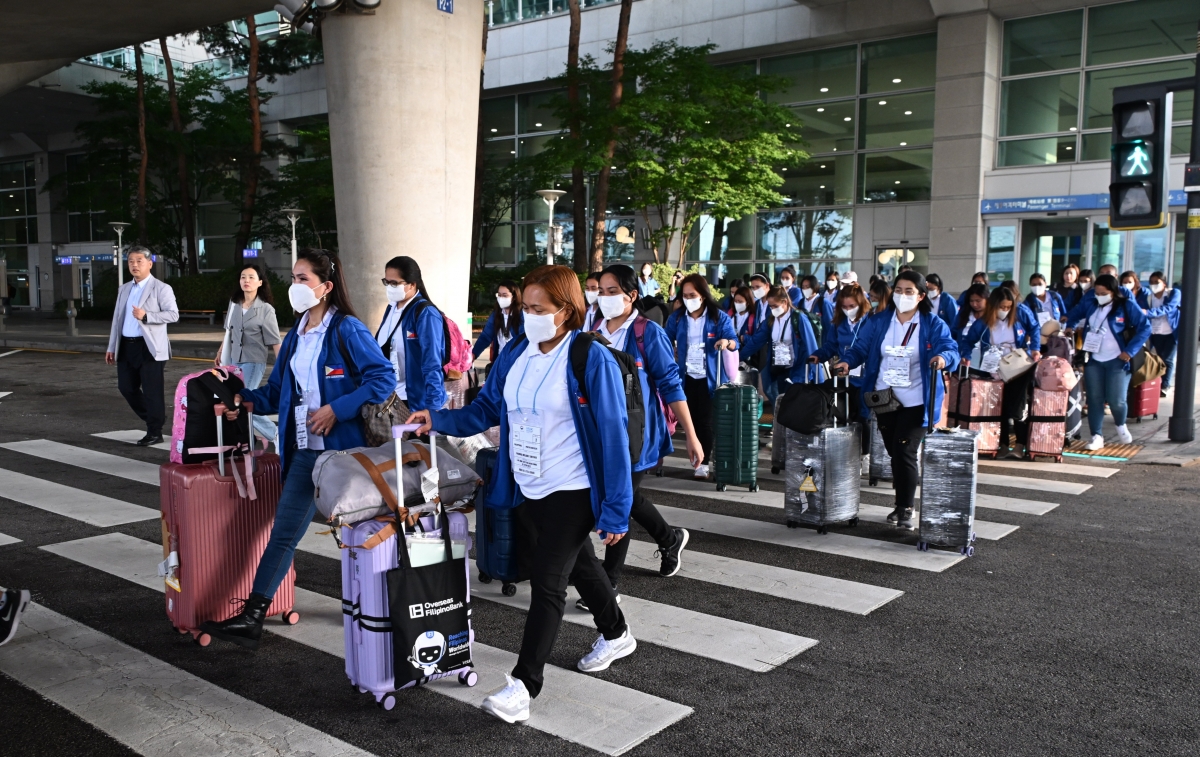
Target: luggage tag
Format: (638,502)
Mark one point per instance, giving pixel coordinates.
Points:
(808,484)
(991,360)
(896,365)
(696,362)
(431,477)
(302,426)
(167,568)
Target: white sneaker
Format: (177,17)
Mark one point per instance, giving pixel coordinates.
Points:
(1124,435)
(1096,443)
(701,471)
(605,652)
(510,704)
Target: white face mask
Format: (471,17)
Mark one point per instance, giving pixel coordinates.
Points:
(1085,285)
(759,293)
(1128,285)
(590,296)
(739,307)
(612,305)
(851,313)
(779,311)
(1003,314)
(503,301)
(396,294)
(540,328)
(808,293)
(1158,287)
(905,302)
(933,293)
(302,298)
(692,303)
(1104,299)
(831,284)
(785,283)
(1037,289)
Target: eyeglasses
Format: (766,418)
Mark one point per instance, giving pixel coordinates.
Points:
(390,283)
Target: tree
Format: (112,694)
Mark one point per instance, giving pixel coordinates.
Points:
(578,185)
(599,216)
(269,59)
(506,183)
(191,253)
(305,182)
(143,153)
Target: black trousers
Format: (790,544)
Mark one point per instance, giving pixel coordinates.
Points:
(1014,409)
(564,550)
(700,404)
(902,432)
(646,515)
(140,380)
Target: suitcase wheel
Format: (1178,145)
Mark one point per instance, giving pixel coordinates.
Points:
(922,546)
(972,537)
(793,524)
(852,522)
(468,678)
(872,481)
(484,578)
(754,487)
(967,551)
(822,529)
(721,487)
(775,469)
(179,630)
(508,589)
(203,639)
(290,618)
(388,702)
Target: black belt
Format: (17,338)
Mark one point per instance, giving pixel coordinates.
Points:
(132,339)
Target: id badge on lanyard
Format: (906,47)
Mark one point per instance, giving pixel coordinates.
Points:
(1044,317)
(301,413)
(897,361)
(1091,342)
(991,360)
(783,353)
(527,449)
(696,362)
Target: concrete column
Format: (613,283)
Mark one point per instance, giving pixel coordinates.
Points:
(964,141)
(403,89)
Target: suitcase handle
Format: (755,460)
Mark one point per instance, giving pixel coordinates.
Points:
(934,378)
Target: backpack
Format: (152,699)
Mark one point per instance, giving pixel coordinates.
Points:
(639,337)
(1054,374)
(194,425)
(814,319)
(634,408)
(809,409)
(456,351)
(1058,345)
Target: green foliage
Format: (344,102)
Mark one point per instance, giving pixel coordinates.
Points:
(508,182)
(211,291)
(306,183)
(485,280)
(278,54)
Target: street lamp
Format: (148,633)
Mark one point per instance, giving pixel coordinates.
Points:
(554,233)
(293,215)
(119,227)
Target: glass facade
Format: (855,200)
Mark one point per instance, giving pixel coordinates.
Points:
(1060,70)
(511,11)
(18,227)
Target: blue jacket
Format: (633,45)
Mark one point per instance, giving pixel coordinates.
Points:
(1058,308)
(804,344)
(1172,300)
(660,379)
(795,294)
(747,328)
(947,310)
(1069,295)
(840,338)
(935,341)
(826,311)
(1027,335)
(605,445)
(677,331)
(346,388)
(1075,314)
(1120,318)
(424,347)
(490,336)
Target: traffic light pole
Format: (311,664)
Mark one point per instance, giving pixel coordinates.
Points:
(1182,426)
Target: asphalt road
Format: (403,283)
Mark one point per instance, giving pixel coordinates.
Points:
(1074,635)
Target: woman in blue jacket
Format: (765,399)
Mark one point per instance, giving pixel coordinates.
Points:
(980,277)
(564,452)
(1069,288)
(1006,326)
(945,307)
(700,331)
(412,336)
(328,368)
(1045,304)
(1116,329)
(851,315)
(503,324)
(742,313)
(790,340)
(662,388)
(1161,305)
(901,350)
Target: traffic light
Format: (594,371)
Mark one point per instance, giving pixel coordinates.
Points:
(1140,148)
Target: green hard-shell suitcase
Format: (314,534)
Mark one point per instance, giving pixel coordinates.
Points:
(736,410)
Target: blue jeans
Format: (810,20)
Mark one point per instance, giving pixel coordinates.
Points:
(292,516)
(1108,382)
(252,374)
(1164,345)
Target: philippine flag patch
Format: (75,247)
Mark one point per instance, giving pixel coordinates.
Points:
(334,371)
(411,334)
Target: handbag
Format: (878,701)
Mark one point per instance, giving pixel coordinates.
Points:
(1015,363)
(881,401)
(1146,366)
(379,419)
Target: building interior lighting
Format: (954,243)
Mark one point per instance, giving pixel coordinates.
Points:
(824,89)
(820,110)
(908,112)
(895,81)
(883,102)
(847,118)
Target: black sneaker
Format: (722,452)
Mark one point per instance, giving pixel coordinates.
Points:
(894,516)
(670,557)
(10,614)
(906,519)
(581,605)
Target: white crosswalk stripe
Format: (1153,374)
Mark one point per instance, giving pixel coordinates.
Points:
(4,394)
(131,437)
(146,704)
(989,501)
(100,462)
(5,540)
(94,509)
(1093,471)
(597,714)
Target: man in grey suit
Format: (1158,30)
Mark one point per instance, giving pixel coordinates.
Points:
(138,343)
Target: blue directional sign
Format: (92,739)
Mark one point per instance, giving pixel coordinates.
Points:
(447,6)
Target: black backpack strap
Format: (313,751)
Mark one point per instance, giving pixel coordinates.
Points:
(579,357)
(420,307)
(217,387)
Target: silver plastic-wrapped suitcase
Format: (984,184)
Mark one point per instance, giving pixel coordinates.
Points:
(833,459)
(950,465)
(881,462)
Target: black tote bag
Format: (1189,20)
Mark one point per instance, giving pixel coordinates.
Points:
(430,612)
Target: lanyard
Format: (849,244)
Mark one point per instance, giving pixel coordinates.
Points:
(1103,327)
(553,363)
(911,327)
(316,354)
(854,327)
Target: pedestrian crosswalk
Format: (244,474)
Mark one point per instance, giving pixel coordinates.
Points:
(598,714)
(131,437)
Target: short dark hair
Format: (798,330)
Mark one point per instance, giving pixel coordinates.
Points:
(813,282)
(139,249)
(917,280)
(593,276)
(1036,275)
(936,280)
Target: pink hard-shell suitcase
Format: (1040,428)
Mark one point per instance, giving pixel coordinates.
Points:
(1048,423)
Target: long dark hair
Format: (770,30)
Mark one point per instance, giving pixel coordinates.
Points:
(882,293)
(964,313)
(410,271)
(327,267)
(264,289)
(1109,282)
(514,310)
(851,292)
(998,297)
(923,304)
(700,284)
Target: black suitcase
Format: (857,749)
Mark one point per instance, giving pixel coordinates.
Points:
(504,539)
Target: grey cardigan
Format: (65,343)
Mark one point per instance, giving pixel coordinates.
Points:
(252,334)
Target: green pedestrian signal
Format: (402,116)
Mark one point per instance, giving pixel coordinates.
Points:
(1135,160)
(1137,188)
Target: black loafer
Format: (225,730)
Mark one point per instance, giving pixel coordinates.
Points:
(149,439)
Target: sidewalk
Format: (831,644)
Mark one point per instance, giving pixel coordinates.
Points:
(192,338)
(1158,450)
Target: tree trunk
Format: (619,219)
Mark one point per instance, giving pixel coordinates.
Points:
(477,199)
(250,172)
(145,159)
(601,206)
(190,250)
(578,185)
